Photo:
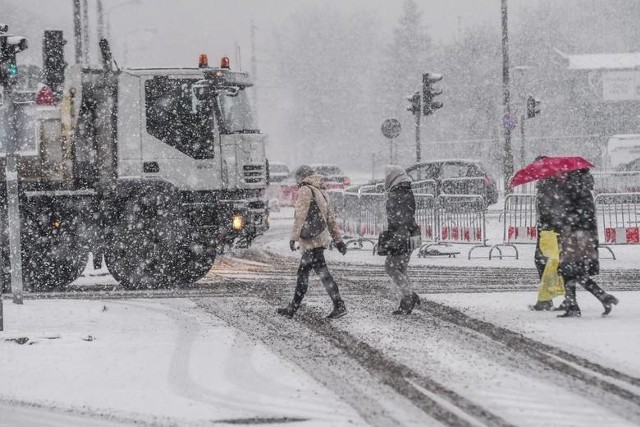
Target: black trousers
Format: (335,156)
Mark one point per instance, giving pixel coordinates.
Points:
(314,259)
(586,282)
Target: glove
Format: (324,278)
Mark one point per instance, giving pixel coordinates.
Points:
(341,247)
(292,245)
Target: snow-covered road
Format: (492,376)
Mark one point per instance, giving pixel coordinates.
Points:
(220,354)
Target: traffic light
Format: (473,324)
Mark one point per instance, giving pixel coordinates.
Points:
(429,92)
(533,107)
(9,47)
(53,60)
(414,107)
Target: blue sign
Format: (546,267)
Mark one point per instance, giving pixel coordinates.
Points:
(509,121)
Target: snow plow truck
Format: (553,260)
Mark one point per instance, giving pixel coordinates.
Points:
(152,170)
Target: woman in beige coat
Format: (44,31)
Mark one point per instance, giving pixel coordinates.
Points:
(312,189)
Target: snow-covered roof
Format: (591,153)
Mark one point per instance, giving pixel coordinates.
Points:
(602,61)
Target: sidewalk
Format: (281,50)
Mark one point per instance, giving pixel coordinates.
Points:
(151,361)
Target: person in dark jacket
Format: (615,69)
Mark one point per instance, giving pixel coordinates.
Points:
(572,213)
(312,190)
(401,208)
(548,220)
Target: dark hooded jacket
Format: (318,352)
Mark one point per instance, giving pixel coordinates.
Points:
(401,204)
(566,205)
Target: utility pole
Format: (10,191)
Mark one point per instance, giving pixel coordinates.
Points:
(100,12)
(77,31)
(254,69)
(85,33)
(507,166)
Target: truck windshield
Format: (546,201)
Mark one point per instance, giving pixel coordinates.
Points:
(236,115)
(172,117)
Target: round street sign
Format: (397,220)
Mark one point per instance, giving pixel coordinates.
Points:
(509,121)
(391,128)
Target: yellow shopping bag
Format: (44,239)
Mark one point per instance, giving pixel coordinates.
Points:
(551,284)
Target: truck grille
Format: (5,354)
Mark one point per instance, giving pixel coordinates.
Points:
(254,174)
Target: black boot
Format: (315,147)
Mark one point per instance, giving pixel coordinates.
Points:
(339,310)
(416,298)
(607,301)
(562,306)
(406,305)
(542,306)
(572,309)
(288,311)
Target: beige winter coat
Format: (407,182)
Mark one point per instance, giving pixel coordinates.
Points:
(314,183)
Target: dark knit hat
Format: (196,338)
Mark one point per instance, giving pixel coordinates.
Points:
(303,172)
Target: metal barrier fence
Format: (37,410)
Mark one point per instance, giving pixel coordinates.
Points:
(336,203)
(362,214)
(373,214)
(426,217)
(443,220)
(461,219)
(619,219)
(350,218)
(519,223)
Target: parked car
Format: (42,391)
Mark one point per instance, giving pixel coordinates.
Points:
(278,172)
(333,177)
(452,177)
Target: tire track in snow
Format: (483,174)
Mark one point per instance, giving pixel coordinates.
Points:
(182,382)
(604,379)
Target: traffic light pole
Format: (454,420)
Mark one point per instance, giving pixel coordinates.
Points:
(13,207)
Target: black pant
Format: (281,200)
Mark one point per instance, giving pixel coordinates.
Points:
(314,258)
(586,282)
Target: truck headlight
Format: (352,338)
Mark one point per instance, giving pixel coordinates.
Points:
(237,222)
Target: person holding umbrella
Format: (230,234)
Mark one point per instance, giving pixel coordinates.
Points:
(547,256)
(573,217)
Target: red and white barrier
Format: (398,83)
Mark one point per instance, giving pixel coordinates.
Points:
(526,234)
(622,235)
(520,224)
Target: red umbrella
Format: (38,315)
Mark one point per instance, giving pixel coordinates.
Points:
(546,167)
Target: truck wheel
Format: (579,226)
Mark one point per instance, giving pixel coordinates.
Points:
(196,259)
(52,267)
(52,257)
(144,242)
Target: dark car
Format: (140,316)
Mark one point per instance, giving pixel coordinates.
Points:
(457,177)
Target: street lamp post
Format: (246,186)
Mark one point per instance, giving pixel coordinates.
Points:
(507,166)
